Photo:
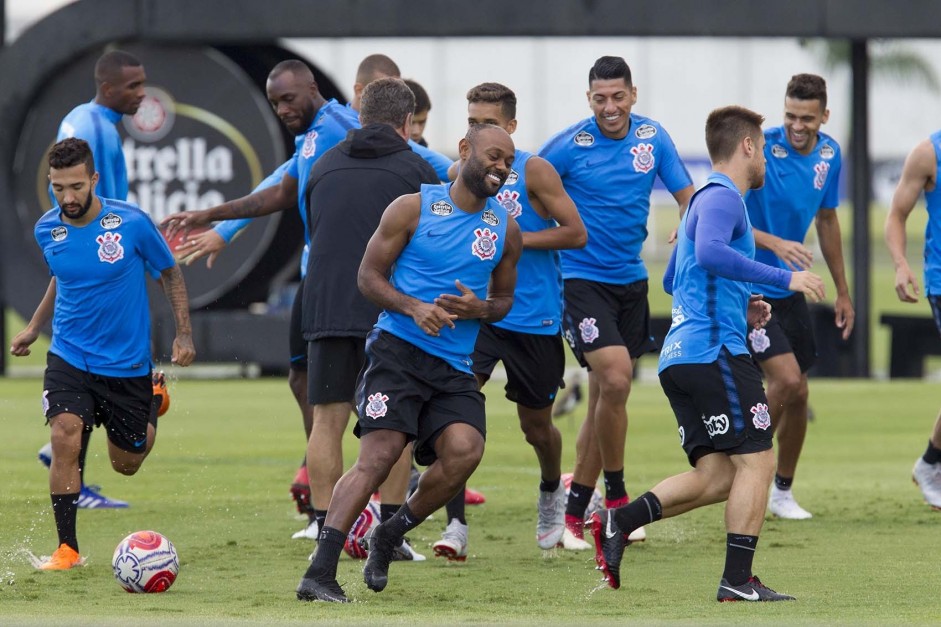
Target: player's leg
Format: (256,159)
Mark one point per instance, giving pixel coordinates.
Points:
(125,406)
(927,470)
(585,475)
(298,383)
(393,492)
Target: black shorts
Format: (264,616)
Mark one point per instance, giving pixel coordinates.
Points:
(603,314)
(534,363)
(719,407)
(121,404)
(333,363)
(789,331)
(297,345)
(405,389)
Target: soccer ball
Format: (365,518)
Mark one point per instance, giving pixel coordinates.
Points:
(145,561)
(368,520)
(596,504)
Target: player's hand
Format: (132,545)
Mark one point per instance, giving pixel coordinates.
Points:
(431,318)
(466,305)
(184,221)
(183,351)
(759,311)
(845,315)
(809,284)
(794,255)
(19,347)
(906,284)
(207,244)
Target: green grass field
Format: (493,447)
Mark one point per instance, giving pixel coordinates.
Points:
(217,486)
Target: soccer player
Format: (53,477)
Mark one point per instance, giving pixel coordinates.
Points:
(608,163)
(801,186)
(528,339)
(432,254)
(920,174)
(422,108)
(706,372)
(98,370)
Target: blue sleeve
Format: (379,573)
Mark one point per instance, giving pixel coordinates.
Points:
(669,273)
(720,218)
(228,229)
(152,246)
(671,169)
(554,152)
(831,197)
(83,126)
(437,160)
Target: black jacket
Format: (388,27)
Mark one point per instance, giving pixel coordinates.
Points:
(349,188)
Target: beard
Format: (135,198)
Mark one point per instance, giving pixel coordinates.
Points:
(82,210)
(474,176)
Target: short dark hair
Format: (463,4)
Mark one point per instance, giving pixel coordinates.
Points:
(109,65)
(494,93)
(726,127)
(376,65)
(71,152)
(422,101)
(295,66)
(609,68)
(386,101)
(807,87)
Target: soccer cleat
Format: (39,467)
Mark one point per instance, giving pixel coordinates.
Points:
(453,542)
(405,553)
(64,558)
(160,391)
(550,524)
(45,454)
(300,491)
(90,497)
(639,534)
(573,536)
(610,543)
(928,477)
(473,497)
(381,553)
(782,504)
(321,590)
(310,532)
(751,590)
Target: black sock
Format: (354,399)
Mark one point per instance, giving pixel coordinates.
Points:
(579,497)
(455,507)
(387,511)
(401,523)
(783,483)
(64,508)
(643,510)
(739,553)
(932,455)
(549,486)
(614,485)
(320,515)
(329,547)
(86,438)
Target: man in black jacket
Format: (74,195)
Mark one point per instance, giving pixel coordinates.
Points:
(349,188)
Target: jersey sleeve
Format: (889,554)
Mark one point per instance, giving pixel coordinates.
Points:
(437,160)
(671,169)
(831,196)
(83,127)
(152,246)
(554,152)
(228,229)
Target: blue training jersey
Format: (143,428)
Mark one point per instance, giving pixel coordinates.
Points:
(97,125)
(537,301)
(933,228)
(796,187)
(101,322)
(610,181)
(449,244)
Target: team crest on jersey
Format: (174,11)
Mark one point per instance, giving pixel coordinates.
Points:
(510,200)
(678,317)
(110,248)
(111,221)
(827,152)
(59,233)
(760,416)
(779,151)
(588,330)
(643,158)
(584,138)
(820,176)
(310,145)
(716,425)
(760,342)
(682,436)
(645,131)
(490,218)
(442,208)
(485,246)
(376,407)
(513,178)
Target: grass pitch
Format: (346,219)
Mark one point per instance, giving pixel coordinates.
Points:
(217,486)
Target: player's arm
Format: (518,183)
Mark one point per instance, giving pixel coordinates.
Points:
(19,347)
(795,255)
(543,183)
(175,290)
(396,227)
(918,173)
(831,244)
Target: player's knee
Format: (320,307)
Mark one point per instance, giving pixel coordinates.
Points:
(615,385)
(127,467)
(537,431)
(297,381)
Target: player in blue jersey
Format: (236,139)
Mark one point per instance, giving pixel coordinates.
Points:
(98,369)
(705,369)
(431,255)
(422,108)
(801,186)
(608,163)
(528,339)
(920,174)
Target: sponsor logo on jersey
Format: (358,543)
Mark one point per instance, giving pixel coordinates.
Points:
(820,177)
(111,221)
(760,416)
(682,436)
(716,425)
(510,200)
(59,233)
(485,244)
(588,330)
(310,145)
(678,316)
(643,158)
(827,152)
(645,131)
(779,151)
(490,217)
(376,405)
(109,247)
(584,138)
(442,208)
(513,178)
(760,342)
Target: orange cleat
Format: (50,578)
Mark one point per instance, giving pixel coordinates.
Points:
(160,391)
(64,558)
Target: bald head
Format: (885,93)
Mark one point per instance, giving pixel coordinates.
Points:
(487,153)
(296,67)
(376,66)
(110,65)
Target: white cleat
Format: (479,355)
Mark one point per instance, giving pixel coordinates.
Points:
(550,524)
(571,542)
(310,532)
(453,542)
(928,477)
(782,504)
(638,535)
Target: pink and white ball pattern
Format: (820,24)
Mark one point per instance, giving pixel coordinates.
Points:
(145,561)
